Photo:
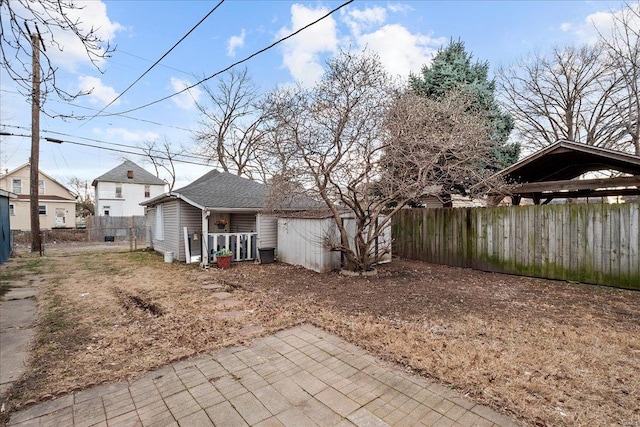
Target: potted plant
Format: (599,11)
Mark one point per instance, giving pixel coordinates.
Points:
(221,223)
(223,258)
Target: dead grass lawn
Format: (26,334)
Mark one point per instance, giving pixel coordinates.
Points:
(548,353)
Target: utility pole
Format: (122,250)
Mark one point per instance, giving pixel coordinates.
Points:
(36,241)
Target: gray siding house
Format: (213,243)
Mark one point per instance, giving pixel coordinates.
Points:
(217,211)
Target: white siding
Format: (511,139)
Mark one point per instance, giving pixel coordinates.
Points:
(301,241)
(129,203)
(267,231)
(304,241)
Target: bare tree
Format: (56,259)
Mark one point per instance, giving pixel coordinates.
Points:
(231,124)
(570,94)
(622,44)
(85,205)
(48,18)
(366,149)
(162,155)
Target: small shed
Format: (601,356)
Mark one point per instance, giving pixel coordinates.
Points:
(5,231)
(305,238)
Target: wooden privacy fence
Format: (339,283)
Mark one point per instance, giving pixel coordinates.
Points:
(590,243)
(116,228)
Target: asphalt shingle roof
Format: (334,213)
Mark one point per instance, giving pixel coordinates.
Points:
(119,174)
(224,190)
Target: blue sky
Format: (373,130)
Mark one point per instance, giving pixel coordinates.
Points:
(404,33)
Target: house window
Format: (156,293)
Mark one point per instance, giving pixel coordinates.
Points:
(17,186)
(130,174)
(119,191)
(42,209)
(159,223)
(147,191)
(105,210)
(12,210)
(41,186)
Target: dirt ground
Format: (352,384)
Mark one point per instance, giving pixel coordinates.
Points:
(544,352)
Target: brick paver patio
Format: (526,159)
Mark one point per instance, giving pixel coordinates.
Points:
(298,377)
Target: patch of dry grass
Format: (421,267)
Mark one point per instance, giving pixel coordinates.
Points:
(544,352)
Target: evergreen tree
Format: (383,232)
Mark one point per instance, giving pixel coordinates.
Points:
(453,69)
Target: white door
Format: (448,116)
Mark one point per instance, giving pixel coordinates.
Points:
(60,217)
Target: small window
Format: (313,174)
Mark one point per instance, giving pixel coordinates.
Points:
(41,186)
(147,191)
(42,210)
(12,210)
(130,174)
(17,186)
(119,191)
(106,210)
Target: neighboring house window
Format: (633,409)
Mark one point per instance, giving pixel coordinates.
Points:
(159,223)
(41,186)
(42,210)
(12,210)
(147,191)
(17,186)
(119,191)
(105,210)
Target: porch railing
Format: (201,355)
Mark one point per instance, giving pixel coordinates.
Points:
(243,245)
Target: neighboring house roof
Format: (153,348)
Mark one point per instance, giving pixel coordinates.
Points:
(7,194)
(221,191)
(120,174)
(44,174)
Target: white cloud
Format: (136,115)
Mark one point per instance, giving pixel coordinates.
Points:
(186,100)
(400,50)
(235,42)
(122,135)
(99,93)
(566,27)
(301,54)
(399,8)
(361,19)
(603,22)
(89,14)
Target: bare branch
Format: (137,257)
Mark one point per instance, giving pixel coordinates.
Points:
(50,18)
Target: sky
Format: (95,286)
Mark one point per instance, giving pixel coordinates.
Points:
(405,34)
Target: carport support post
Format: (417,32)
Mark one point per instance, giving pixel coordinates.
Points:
(204,254)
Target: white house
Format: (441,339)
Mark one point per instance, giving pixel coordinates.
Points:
(120,191)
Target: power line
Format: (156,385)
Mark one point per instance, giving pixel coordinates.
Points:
(149,60)
(234,64)
(189,156)
(59,141)
(158,61)
(95,109)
